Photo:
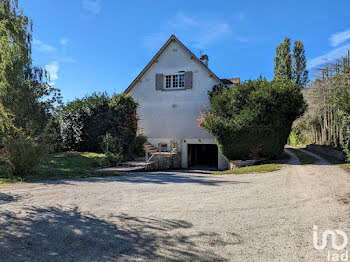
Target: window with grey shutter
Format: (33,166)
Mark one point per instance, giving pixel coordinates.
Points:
(188,80)
(159,81)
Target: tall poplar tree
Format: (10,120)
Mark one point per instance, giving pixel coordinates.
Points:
(291,65)
(300,74)
(283,61)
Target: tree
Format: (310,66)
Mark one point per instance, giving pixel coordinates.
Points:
(84,123)
(6,125)
(24,91)
(291,66)
(283,61)
(300,74)
(254,119)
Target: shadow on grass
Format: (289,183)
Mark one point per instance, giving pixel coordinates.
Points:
(53,234)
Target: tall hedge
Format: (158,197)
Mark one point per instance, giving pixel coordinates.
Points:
(84,122)
(254,119)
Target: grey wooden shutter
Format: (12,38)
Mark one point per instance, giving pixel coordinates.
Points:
(188,80)
(159,81)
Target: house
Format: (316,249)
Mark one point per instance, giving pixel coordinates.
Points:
(171,90)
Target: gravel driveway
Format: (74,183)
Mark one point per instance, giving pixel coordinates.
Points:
(176,216)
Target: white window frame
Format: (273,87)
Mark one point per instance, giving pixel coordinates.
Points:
(173,81)
(163,147)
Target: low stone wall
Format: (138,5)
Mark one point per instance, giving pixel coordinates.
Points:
(242,163)
(164,161)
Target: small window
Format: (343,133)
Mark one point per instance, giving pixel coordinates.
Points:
(163,147)
(175,81)
(181,80)
(167,81)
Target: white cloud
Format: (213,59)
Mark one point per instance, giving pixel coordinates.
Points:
(340,37)
(42,47)
(328,57)
(92,6)
(52,69)
(199,32)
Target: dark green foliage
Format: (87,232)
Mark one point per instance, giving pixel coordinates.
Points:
(110,143)
(52,135)
(137,147)
(85,122)
(24,155)
(254,119)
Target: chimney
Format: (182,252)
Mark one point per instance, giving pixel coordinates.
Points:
(204,59)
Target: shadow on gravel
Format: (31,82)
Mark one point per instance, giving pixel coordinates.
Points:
(185,177)
(174,177)
(52,234)
(8,198)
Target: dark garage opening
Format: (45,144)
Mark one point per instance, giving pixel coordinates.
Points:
(202,156)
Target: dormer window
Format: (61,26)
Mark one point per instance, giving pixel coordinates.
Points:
(176,81)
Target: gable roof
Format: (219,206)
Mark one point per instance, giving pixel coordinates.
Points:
(167,43)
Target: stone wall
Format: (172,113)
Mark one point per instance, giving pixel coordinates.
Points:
(164,161)
(242,163)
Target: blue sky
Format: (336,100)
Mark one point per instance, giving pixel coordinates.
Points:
(101,45)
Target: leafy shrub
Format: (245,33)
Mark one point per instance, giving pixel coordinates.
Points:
(137,147)
(296,138)
(253,119)
(51,135)
(24,155)
(110,143)
(85,122)
(110,159)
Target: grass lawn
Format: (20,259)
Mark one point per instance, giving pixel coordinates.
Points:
(304,158)
(267,166)
(61,166)
(251,169)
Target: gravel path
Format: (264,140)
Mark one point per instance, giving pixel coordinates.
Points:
(176,216)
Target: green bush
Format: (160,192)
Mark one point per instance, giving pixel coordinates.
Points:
(253,119)
(110,159)
(137,147)
(110,143)
(51,134)
(296,138)
(24,155)
(85,122)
